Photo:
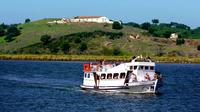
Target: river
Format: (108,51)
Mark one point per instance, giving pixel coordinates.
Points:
(52,86)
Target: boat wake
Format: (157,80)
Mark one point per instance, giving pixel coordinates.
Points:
(40,83)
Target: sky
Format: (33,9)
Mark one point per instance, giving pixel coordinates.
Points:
(139,11)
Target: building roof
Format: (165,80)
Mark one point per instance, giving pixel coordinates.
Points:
(86,17)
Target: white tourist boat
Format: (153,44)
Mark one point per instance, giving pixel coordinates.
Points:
(137,76)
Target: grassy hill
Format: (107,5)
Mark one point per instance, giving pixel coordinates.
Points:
(97,37)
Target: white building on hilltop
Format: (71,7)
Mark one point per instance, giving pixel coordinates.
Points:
(95,19)
(83,19)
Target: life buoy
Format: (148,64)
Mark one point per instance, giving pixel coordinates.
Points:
(87,67)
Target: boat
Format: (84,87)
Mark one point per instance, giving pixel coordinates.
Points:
(136,76)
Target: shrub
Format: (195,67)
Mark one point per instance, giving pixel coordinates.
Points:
(116,51)
(65,47)
(107,51)
(83,47)
(45,39)
(198,47)
(77,40)
(180,41)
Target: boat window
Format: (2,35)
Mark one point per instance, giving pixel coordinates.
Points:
(131,67)
(109,76)
(135,67)
(151,67)
(103,76)
(115,76)
(122,75)
(85,75)
(141,67)
(88,75)
(146,67)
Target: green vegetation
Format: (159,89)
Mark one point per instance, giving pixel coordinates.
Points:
(116,25)
(65,47)
(2,32)
(165,29)
(10,31)
(180,41)
(27,20)
(45,39)
(198,47)
(155,21)
(93,39)
(77,43)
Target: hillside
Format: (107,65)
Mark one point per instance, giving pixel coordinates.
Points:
(93,39)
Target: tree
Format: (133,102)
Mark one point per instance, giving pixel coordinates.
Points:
(155,21)
(45,39)
(27,20)
(2,32)
(116,25)
(145,25)
(132,24)
(65,47)
(83,47)
(3,26)
(12,31)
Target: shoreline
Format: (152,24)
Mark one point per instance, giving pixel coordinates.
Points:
(49,57)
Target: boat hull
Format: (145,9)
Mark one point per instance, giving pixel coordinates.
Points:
(136,87)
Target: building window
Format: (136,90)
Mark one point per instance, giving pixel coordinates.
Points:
(122,75)
(115,76)
(103,76)
(109,76)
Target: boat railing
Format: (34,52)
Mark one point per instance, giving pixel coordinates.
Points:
(98,67)
(141,59)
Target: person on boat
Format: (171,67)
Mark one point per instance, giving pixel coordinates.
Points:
(132,78)
(147,77)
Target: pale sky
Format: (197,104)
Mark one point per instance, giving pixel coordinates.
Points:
(182,11)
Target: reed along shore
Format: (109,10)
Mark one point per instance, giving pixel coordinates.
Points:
(47,57)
